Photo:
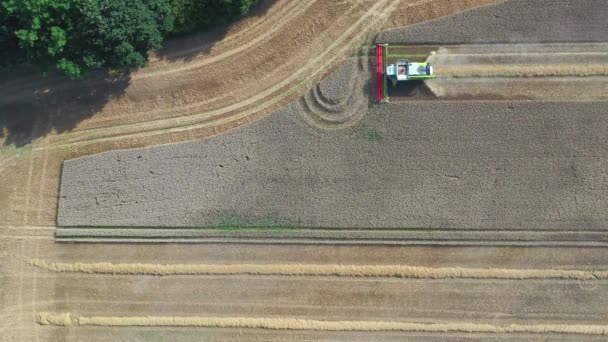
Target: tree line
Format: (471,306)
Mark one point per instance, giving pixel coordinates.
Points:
(79,36)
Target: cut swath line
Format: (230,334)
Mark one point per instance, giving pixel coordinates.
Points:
(397,271)
(68,319)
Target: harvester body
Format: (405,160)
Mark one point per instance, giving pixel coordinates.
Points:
(402,70)
(405,70)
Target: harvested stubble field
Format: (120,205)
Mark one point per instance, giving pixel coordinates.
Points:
(543,162)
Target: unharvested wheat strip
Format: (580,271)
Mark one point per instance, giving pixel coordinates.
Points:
(522,70)
(517,49)
(67,319)
(400,271)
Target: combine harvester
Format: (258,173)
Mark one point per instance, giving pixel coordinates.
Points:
(403,70)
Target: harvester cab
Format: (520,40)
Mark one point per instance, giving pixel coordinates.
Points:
(402,70)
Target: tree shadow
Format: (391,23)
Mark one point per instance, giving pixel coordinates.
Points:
(188,46)
(32,106)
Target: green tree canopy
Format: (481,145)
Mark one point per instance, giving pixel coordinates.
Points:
(191,15)
(77,36)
